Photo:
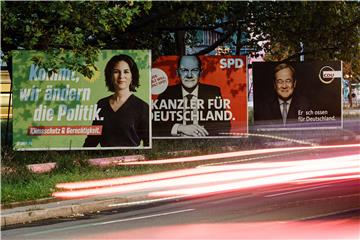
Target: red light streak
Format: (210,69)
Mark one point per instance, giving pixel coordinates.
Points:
(262,182)
(271,230)
(233,154)
(186,172)
(332,179)
(206,180)
(229,178)
(127,180)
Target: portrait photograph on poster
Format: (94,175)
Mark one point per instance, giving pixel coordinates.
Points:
(199,97)
(65,110)
(295,95)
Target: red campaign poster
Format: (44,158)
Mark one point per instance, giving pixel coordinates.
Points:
(199,97)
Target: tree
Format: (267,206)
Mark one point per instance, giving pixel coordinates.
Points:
(84,27)
(328,30)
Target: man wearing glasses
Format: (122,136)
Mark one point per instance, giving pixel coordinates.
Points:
(193,120)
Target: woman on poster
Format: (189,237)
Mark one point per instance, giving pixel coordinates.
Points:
(125,117)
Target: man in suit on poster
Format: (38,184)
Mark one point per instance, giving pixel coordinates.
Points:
(196,97)
(284,108)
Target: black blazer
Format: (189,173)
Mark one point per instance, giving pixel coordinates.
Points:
(205,92)
(270,113)
(126,127)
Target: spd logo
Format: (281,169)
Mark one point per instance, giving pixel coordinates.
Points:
(231,63)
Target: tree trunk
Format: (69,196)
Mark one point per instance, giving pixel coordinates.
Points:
(180,42)
(350,95)
(7,131)
(238,41)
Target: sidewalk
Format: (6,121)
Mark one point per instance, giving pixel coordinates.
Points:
(69,208)
(50,208)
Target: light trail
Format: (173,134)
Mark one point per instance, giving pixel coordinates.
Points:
(196,171)
(332,179)
(270,230)
(128,180)
(239,185)
(188,172)
(229,178)
(232,154)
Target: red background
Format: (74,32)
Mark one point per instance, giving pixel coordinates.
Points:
(232,82)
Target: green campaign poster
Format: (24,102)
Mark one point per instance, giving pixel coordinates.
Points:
(64,110)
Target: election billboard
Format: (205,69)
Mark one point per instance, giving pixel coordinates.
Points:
(199,97)
(57,108)
(297,95)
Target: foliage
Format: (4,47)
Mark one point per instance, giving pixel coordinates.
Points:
(328,30)
(82,26)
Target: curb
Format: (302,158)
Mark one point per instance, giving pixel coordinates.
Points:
(27,203)
(41,167)
(39,212)
(98,162)
(105,162)
(114,161)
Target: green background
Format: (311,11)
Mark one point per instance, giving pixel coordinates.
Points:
(23,110)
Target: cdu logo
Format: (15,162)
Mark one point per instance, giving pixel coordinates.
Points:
(327,74)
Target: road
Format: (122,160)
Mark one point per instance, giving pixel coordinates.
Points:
(301,203)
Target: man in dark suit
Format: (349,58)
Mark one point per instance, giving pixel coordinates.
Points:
(192,113)
(283,109)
